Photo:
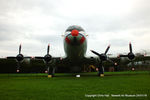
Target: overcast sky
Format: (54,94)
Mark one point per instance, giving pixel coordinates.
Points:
(35,23)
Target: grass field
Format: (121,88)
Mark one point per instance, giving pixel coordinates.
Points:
(69,87)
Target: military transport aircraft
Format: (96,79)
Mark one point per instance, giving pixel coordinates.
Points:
(75,47)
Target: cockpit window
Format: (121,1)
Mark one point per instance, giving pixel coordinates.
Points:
(82,32)
(74,27)
(67,32)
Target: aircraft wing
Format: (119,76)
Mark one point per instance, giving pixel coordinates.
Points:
(117,60)
(141,58)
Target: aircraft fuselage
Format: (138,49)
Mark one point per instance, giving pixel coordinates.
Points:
(75,45)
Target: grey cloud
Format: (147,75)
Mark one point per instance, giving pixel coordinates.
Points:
(54,39)
(119,42)
(136,22)
(8,32)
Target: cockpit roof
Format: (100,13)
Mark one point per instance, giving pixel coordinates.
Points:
(70,28)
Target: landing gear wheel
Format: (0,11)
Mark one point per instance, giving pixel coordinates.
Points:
(51,72)
(101,71)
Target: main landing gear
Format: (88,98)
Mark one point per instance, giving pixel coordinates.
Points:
(51,72)
(101,71)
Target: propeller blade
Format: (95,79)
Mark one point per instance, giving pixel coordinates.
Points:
(130,47)
(110,60)
(17,70)
(95,52)
(11,57)
(20,49)
(39,57)
(27,57)
(107,50)
(48,49)
(18,66)
(46,65)
(123,55)
(46,71)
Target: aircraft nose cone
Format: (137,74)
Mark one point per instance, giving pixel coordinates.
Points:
(75,33)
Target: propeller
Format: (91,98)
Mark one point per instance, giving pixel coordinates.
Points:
(19,58)
(130,55)
(47,58)
(102,56)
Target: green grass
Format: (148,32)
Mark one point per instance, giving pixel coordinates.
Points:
(68,87)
